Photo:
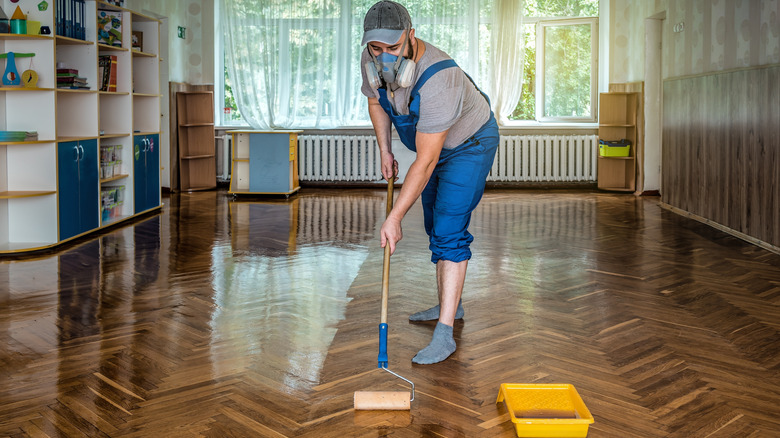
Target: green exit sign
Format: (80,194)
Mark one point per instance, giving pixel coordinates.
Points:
(181,32)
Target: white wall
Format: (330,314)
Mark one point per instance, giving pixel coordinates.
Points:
(716,35)
(191,59)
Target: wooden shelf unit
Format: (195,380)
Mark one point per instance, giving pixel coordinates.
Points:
(195,126)
(50,189)
(618,121)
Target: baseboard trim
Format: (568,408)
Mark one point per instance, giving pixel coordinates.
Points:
(750,239)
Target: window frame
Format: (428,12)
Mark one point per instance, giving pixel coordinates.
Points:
(541,26)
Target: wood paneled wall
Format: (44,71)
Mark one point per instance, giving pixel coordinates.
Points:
(721,150)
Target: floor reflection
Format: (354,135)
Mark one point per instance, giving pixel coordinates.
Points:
(288,265)
(208,272)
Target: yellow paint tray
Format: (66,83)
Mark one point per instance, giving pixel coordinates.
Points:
(545,410)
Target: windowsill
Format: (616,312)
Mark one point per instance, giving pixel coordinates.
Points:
(525,128)
(550,125)
(232,127)
(517,128)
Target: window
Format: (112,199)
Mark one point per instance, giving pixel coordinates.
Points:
(560,80)
(231,116)
(560,52)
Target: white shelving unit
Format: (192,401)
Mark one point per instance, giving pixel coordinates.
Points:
(51,189)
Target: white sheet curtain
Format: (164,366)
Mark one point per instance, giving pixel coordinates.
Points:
(282,57)
(295,63)
(506,59)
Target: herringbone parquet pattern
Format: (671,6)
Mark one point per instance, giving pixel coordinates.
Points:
(225,318)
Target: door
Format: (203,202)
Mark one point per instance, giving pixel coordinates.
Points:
(269,163)
(77,187)
(152,171)
(89,185)
(146,167)
(139,173)
(68,188)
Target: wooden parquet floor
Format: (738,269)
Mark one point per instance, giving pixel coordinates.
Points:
(258,318)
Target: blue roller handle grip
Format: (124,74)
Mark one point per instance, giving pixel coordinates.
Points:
(382,358)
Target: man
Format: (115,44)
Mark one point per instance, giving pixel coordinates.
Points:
(440,114)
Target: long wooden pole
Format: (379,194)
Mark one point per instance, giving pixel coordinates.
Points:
(386,263)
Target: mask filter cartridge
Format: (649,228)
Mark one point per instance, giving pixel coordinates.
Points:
(387,66)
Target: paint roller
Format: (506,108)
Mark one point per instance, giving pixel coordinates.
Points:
(385,400)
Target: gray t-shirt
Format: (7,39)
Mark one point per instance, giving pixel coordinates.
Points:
(448,100)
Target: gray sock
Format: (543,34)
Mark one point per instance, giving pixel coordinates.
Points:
(441,347)
(432,314)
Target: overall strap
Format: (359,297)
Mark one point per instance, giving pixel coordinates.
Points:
(384,102)
(430,71)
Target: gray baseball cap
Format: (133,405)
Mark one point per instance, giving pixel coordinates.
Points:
(385,23)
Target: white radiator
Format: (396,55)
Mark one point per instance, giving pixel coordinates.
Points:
(545,158)
(223,146)
(338,158)
(520,158)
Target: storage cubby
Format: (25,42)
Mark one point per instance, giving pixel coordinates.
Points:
(143,66)
(29,110)
(617,121)
(146,114)
(52,186)
(79,56)
(114,108)
(195,119)
(77,114)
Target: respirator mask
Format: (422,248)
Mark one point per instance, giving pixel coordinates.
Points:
(389,69)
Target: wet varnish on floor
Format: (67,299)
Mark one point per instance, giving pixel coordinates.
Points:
(222,317)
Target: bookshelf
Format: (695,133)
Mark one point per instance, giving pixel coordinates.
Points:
(617,121)
(56,186)
(195,120)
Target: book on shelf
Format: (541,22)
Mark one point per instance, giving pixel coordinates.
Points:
(109,28)
(107,72)
(70,18)
(69,78)
(75,85)
(19,135)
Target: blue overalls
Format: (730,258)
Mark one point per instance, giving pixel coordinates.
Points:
(458,181)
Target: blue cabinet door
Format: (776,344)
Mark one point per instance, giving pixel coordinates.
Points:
(153,171)
(68,188)
(77,187)
(139,173)
(146,172)
(89,186)
(269,163)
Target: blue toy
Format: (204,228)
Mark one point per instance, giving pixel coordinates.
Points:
(11,74)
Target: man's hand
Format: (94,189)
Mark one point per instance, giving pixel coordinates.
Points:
(389,166)
(391,233)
